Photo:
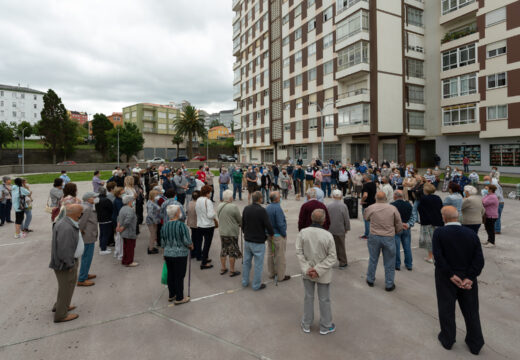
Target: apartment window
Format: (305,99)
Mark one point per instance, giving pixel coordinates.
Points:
(2,93)
(298,34)
(287,127)
(450,88)
(285,41)
(327,40)
(329,121)
(22,96)
(415,68)
(464,55)
(285,19)
(313,123)
(23,115)
(496,16)
(354,115)
(266,132)
(310,3)
(452,5)
(300,152)
(416,120)
(299,125)
(352,25)
(14,113)
(298,80)
(14,103)
(299,103)
(504,155)
(311,25)
(35,116)
(345,4)
(328,67)
(2,103)
(327,14)
(353,55)
(415,94)
(497,112)
(34,97)
(298,10)
(311,49)
(298,56)
(414,42)
(266,113)
(286,84)
(496,49)
(312,74)
(414,16)
(496,80)
(459,86)
(459,115)
(287,105)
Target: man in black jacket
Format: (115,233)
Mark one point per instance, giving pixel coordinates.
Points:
(104,209)
(255,224)
(458,262)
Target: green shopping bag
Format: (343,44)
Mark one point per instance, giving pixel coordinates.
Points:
(164,276)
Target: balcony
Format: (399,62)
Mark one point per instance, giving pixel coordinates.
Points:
(149,130)
(463,127)
(236,96)
(236,50)
(353,97)
(236,5)
(236,65)
(346,8)
(351,70)
(149,118)
(459,33)
(351,129)
(459,10)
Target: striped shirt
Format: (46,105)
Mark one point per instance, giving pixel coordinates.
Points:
(175,239)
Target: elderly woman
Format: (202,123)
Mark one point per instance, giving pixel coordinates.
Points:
(454,198)
(88,225)
(129,186)
(284,180)
(472,209)
(176,241)
(19,194)
(490,202)
(56,193)
(429,209)
(206,221)
(5,201)
(230,221)
(153,217)
(408,184)
(126,225)
(28,208)
(191,221)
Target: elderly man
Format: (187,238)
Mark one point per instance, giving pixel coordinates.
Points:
(104,210)
(67,247)
(181,186)
(256,225)
(385,222)
(405,236)
(387,188)
(230,220)
(88,225)
(304,219)
(368,191)
(252,182)
(276,263)
(458,262)
(316,254)
(126,225)
(339,225)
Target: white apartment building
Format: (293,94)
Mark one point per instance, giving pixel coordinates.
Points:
(20,104)
(387,79)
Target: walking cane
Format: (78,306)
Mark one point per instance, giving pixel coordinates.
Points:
(189,273)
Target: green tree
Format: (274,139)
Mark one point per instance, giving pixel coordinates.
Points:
(177,140)
(100,128)
(214,123)
(6,136)
(18,130)
(131,140)
(189,124)
(59,132)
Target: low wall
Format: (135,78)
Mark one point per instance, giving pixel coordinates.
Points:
(43,156)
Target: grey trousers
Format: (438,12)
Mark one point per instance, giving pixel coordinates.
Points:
(339,241)
(66,284)
(308,304)
(279,257)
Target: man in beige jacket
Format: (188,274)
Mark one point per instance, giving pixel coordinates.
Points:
(316,253)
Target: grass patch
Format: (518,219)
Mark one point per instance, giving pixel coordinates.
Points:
(38,144)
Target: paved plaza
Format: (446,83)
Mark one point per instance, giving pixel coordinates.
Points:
(126,315)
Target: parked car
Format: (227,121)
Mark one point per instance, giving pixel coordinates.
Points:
(222,157)
(156,160)
(199,157)
(181,158)
(69,162)
(231,158)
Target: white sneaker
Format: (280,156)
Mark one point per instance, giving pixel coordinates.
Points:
(106,252)
(489,245)
(16,236)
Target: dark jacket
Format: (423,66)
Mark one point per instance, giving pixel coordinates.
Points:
(299,174)
(430,210)
(404,208)
(256,224)
(118,204)
(65,237)
(266,181)
(457,251)
(304,219)
(104,210)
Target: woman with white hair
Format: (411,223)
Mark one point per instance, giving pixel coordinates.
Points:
(230,221)
(126,225)
(472,209)
(176,242)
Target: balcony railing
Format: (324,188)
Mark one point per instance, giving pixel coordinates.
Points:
(148,118)
(449,6)
(459,33)
(354,123)
(352,93)
(343,5)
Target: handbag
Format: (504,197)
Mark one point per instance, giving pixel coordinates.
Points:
(164,275)
(23,203)
(48,208)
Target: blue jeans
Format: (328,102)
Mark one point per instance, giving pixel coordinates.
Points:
(415,210)
(86,260)
(367,223)
(404,237)
(237,188)
(375,244)
(498,223)
(253,251)
(276,180)
(265,194)
(104,235)
(223,187)
(326,188)
(27,220)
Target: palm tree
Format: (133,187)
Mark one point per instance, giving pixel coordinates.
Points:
(177,140)
(189,124)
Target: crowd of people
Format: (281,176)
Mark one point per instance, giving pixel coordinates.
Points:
(181,219)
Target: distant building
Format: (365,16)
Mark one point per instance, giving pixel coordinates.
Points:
(225,117)
(79,116)
(20,104)
(116,119)
(219,132)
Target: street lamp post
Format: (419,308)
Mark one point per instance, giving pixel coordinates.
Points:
(322,124)
(23,150)
(118,146)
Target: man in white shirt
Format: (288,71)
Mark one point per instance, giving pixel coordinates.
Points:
(387,189)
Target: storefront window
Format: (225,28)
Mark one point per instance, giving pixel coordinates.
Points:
(504,155)
(300,152)
(457,153)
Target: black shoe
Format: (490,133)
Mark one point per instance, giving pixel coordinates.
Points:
(371,284)
(444,345)
(205,267)
(398,269)
(261,287)
(392,288)
(1,224)
(9,221)
(154,251)
(409,269)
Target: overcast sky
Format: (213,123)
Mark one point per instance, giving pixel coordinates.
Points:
(102,55)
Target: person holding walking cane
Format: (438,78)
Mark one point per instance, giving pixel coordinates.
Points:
(176,242)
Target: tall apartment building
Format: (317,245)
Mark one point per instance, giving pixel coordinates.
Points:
(19,104)
(367,78)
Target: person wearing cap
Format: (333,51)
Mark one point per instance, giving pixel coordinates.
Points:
(126,225)
(88,225)
(5,201)
(104,210)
